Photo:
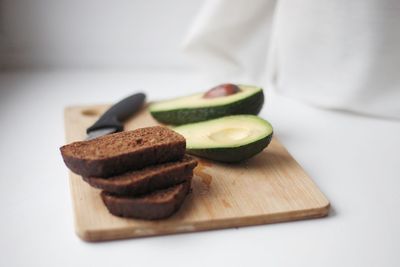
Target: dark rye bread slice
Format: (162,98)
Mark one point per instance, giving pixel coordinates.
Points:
(147,179)
(124,151)
(157,205)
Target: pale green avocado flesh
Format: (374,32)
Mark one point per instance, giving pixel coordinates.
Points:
(195,108)
(227,139)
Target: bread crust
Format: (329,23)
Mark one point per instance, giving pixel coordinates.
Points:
(130,150)
(147,179)
(157,205)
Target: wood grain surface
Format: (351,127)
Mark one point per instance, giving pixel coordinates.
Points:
(271,187)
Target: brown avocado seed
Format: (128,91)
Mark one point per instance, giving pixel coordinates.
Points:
(225,89)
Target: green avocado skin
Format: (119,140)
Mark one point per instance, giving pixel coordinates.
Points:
(234,154)
(249,105)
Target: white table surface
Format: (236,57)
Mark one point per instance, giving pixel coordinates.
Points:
(355,160)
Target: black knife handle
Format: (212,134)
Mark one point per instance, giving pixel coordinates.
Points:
(118,113)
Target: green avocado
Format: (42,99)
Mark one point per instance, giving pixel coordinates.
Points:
(227,139)
(195,108)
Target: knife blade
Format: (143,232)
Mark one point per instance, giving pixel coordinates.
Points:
(112,120)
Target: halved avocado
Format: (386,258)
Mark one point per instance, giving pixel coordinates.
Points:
(227,139)
(195,108)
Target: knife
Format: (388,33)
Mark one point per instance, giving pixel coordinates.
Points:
(112,120)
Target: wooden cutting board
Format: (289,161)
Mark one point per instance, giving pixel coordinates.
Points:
(271,187)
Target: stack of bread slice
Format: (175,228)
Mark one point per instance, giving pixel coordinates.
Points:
(142,173)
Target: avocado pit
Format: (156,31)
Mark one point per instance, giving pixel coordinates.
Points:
(221,90)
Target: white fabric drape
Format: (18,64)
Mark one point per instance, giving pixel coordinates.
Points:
(336,54)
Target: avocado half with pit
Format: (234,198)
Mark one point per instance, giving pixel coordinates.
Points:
(227,139)
(198,107)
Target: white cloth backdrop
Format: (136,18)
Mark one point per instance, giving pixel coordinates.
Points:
(336,54)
